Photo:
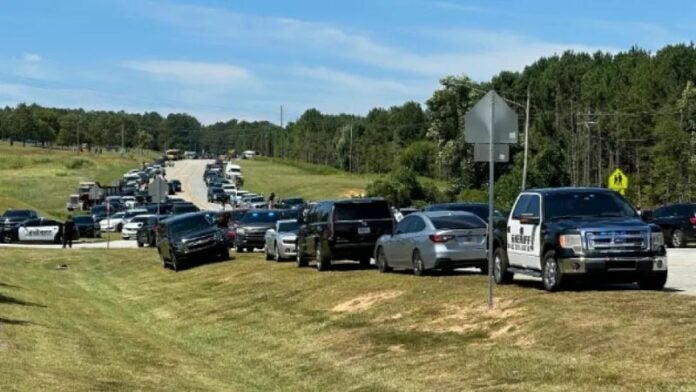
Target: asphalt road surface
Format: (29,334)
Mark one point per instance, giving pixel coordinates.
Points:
(190,173)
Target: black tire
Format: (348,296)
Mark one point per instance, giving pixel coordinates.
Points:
(119,227)
(140,244)
(224,253)
(239,249)
(418,264)
(551,276)
(655,282)
(7,238)
(276,256)
(165,264)
(677,239)
(175,262)
(268,255)
(500,267)
(301,260)
(382,263)
(250,250)
(323,261)
(364,262)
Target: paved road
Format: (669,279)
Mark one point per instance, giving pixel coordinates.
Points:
(190,173)
(682,270)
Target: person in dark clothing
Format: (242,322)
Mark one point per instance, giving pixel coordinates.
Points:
(271,200)
(224,221)
(68,231)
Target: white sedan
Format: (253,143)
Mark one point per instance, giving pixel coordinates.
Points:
(130,229)
(280,240)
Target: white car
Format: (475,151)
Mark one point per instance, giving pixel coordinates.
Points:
(240,195)
(232,170)
(229,189)
(40,230)
(280,240)
(118,220)
(130,229)
(129,201)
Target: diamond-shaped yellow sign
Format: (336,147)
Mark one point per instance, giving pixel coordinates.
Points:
(618,181)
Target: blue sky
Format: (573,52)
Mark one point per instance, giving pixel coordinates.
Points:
(243,59)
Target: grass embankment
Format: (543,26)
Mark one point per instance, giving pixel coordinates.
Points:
(117,321)
(312,182)
(43,179)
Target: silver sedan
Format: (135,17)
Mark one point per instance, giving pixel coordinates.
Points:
(280,240)
(434,240)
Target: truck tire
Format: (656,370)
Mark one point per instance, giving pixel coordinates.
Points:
(175,262)
(268,255)
(500,267)
(301,260)
(551,275)
(365,262)
(239,249)
(323,261)
(654,282)
(677,239)
(382,263)
(140,244)
(418,264)
(224,253)
(7,238)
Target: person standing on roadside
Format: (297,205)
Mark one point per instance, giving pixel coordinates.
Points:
(271,200)
(68,231)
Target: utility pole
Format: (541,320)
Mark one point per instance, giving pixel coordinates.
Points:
(526,142)
(123,139)
(350,151)
(79,124)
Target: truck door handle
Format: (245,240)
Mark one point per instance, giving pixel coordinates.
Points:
(508,229)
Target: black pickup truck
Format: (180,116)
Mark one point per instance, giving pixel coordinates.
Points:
(183,238)
(563,233)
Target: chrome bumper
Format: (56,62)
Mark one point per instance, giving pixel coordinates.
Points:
(586,265)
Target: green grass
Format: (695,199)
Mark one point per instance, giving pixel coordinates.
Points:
(42,179)
(313,182)
(117,321)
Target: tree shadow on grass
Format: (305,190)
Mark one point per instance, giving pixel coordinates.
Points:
(9,286)
(14,322)
(4,299)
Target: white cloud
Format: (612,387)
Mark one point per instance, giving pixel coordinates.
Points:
(31,57)
(193,73)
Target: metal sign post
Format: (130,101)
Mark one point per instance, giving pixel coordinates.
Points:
(108,223)
(491,125)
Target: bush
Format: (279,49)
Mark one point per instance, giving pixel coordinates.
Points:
(78,164)
(419,157)
(402,189)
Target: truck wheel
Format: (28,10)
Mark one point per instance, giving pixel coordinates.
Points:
(239,249)
(268,255)
(653,281)
(300,259)
(500,267)
(677,239)
(7,238)
(418,265)
(224,253)
(175,262)
(382,263)
(552,277)
(323,261)
(276,256)
(140,244)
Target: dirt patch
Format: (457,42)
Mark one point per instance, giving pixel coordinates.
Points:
(353,192)
(6,346)
(364,302)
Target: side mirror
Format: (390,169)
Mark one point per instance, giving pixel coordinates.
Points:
(529,219)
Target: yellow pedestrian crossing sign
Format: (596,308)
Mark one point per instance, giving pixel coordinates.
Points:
(618,181)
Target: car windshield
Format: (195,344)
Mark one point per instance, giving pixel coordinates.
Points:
(194,223)
(260,217)
(457,222)
(288,227)
(586,204)
(362,210)
(17,214)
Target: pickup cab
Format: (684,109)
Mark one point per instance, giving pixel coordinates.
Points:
(561,234)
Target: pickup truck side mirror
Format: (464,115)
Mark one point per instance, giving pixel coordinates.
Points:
(529,219)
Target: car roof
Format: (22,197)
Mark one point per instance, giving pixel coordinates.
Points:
(569,189)
(437,214)
(187,215)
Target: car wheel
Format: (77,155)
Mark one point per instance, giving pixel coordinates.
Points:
(140,244)
(119,227)
(300,259)
(653,281)
(175,262)
(552,277)
(239,249)
(224,253)
(418,265)
(7,238)
(323,261)
(678,239)
(500,267)
(268,255)
(382,263)
(165,264)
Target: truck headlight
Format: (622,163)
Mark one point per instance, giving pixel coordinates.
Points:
(657,240)
(571,241)
(241,231)
(179,246)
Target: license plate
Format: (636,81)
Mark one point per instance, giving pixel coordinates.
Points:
(467,239)
(363,230)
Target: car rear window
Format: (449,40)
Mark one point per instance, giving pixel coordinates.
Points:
(457,222)
(359,211)
(288,226)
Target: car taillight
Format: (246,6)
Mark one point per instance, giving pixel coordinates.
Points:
(440,239)
(692,220)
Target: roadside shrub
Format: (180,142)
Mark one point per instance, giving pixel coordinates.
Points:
(473,195)
(78,163)
(403,189)
(420,158)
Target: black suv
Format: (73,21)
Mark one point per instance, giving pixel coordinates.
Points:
(86,226)
(678,223)
(183,237)
(251,229)
(338,230)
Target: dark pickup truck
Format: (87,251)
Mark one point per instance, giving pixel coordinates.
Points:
(184,237)
(563,233)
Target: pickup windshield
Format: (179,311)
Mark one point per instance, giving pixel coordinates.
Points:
(260,217)
(587,205)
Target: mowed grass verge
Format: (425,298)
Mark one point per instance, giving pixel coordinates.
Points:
(313,182)
(43,179)
(117,321)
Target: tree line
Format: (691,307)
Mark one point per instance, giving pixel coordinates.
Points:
(589,114)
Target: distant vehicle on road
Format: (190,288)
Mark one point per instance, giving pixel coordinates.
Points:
(251,228)
(678,223)
(280,240)
(177,185)
(434,240)
(130,229)
(173,154)
(254,202)
(248,154)
(342,230)
(291,203)
(38,230)
(190,155)
(183,237)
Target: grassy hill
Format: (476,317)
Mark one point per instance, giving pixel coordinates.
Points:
(42,179)
(117,321)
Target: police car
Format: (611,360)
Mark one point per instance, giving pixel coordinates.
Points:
(39,230)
